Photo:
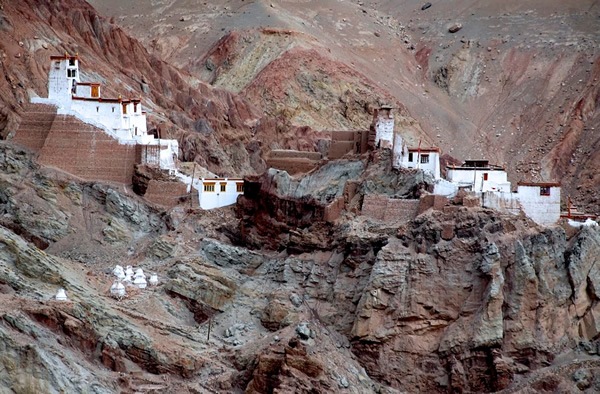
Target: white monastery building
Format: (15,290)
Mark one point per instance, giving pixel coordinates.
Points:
(539,201)
(123,119)
(218,192)
(479,176)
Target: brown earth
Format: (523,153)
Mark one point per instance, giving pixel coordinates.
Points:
(458,299)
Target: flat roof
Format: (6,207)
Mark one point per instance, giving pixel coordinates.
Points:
(489,168)
(425,150)
(539,184)
(97,99)
(63,57)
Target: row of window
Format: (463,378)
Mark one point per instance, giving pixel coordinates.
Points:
(424,158)
(210,187)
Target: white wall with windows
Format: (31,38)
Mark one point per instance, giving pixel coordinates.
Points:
(218,192)
(540,202)
(479,179)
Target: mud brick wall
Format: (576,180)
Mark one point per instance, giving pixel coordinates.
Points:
(87,152)
(294,154)
(389,210)
(398,210)
(292,165)
(36,123)
(334,210)
(433,201)
(166,193)
(339,148)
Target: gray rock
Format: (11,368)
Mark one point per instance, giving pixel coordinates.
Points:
(303,330)
(343,382)
(296,300)
(455,27)
(583,378)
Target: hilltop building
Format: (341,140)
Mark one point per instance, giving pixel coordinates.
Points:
(218,192)
(122,119)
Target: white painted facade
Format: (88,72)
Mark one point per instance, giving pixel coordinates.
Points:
(540,202)
(218,192)
(384,128)
(479,179)
(426,159)
(122,119)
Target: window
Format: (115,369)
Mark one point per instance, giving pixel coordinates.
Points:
(209,187)
(239,187)
(424,159)
(57,65)
(113,109)
(223,186)
(124,109)
(410,157)
(544,191)
(135,107)
(71,62)
(71,73)
(95,91)
(97,109)
(485,176)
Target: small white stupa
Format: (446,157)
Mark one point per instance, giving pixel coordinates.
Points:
(119,272)
(129,271)
(139,279)
(61,295)
(153,281)
(117,290)
(128,275)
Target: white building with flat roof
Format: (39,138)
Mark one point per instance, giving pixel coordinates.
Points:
(540,201)
(218,192)
(478,176)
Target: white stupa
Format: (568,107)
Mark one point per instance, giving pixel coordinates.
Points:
(139,279)
(61,295)
(128,275)
(153,281)
(119,272)
(129,271)
(117,290)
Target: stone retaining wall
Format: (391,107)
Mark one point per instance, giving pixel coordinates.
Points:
(167,193)
(389,210)
(87,152)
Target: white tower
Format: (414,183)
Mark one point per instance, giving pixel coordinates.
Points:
(384,127)
(63,77)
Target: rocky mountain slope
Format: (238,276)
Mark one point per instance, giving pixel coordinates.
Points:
(517,84)
(215,128)
(463,299)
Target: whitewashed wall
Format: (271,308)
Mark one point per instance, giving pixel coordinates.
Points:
(497,179)
(544,210)
(217,199)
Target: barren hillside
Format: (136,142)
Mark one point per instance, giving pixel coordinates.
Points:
(518,84)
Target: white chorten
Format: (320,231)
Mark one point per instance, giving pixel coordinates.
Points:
(139,279)
(61,295)
(153,281)
(119,273)
(117,290)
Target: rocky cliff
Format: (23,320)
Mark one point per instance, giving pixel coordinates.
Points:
(459,299)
